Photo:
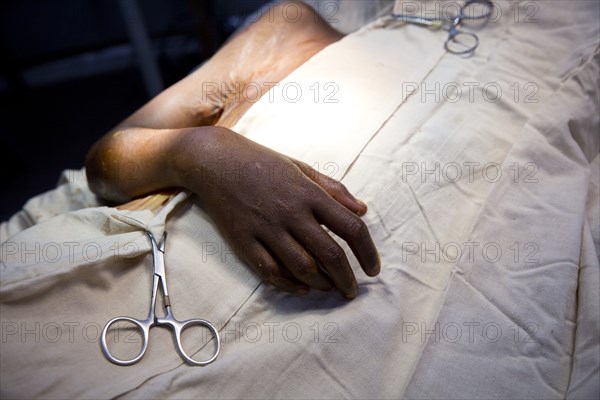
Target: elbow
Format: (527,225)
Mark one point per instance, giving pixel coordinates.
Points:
(102,171)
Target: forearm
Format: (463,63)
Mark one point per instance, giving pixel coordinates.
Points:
(132,162)
(137,156)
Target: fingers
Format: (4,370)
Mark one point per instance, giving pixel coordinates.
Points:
(298,262)
(334,188)
(354,231)
(331,257)
(255,255)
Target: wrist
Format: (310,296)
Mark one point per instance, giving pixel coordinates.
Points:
(194,154)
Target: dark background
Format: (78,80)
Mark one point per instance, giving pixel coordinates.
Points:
(69,72)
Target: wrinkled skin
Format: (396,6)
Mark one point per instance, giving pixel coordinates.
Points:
(270,208)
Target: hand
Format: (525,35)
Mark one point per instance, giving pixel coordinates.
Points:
(271,208)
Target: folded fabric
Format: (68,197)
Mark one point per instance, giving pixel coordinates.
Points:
(482,184)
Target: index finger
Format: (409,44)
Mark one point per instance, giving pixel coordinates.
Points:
(334,188)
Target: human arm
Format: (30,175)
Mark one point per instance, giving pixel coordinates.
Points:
(272,219)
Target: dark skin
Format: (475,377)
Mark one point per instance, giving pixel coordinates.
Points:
(269,207)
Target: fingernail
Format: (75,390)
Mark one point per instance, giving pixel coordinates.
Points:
(376,269)
(350,296)
(362,203)
(353,293)
(364,207)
